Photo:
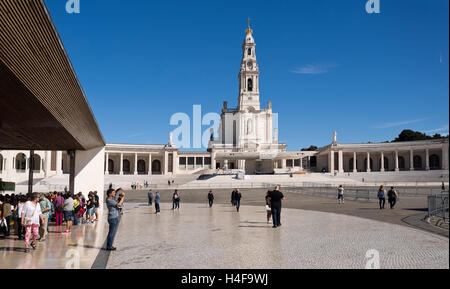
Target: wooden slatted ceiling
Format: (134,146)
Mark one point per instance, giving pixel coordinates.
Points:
(32,51)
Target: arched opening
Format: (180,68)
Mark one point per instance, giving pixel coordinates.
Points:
(36,163)
(156,167)
(417,162)
(371,164)
(21,162)
(110,166)
(1,163)
(249,51)
(401,163)
(126,167)
(313,162)
(250,84)
(350,165)
(434,162)
(141,167)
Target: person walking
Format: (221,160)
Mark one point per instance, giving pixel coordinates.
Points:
(237,199)
(392,197)
(382,197)
(268,207)
(150,198)
(341,195)
(45,209)
(210,199)
(157,201)
(31,215)
(276,198)
(113,216)
(68,212)
(233,193)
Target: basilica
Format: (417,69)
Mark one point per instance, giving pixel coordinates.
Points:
(247,141)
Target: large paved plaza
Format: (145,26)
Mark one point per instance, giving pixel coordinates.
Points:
(198,237)
(316,233)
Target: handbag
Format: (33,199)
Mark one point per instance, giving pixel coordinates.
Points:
(28,220)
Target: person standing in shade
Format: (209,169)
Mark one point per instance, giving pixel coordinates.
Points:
(276,198)
(237,199)
(392,197)
(210,199)
(150,198)
(113,216)
(45,208)
(68,213)
(341,195)
(382,197)
(31,214)
(7,214)
(96,205)
(19,209)
(59,208)
(157,201)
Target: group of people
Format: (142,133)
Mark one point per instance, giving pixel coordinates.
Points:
(31,214)
(392,196)
(138,186)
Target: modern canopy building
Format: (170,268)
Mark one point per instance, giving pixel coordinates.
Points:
(247,141)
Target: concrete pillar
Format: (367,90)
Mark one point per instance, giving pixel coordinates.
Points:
(59,170)
(87,172)
(135,165)
(107,164)
(213,161)
(445,156)
(166,163)
(382,162)
(368,162)
(397,169)
(175,163)
(411,160)
(121,165)
(301,164)
(355,169)
(149,164)
(341,162)
(331,162)
(48,163)
(225,164)
(427,159)
(283,164)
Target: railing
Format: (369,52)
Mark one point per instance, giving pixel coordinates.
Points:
(438,206)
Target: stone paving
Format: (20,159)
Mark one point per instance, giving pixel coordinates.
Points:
(198,237)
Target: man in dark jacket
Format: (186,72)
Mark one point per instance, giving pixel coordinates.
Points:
(210,199)
(275,203)
(233,193)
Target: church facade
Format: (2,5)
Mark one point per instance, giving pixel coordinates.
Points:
(247,140)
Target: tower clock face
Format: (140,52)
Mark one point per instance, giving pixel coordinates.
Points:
(250,64)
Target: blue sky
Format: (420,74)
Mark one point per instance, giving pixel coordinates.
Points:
(325,64)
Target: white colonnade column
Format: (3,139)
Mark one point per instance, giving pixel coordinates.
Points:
(382,162)
(121,164)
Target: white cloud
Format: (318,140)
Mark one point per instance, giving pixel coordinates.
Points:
(436,130)
(313,69)
(400,123)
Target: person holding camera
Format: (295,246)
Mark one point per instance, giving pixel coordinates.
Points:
(114,207)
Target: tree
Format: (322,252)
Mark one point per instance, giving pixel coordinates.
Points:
(410,135)
(310,149)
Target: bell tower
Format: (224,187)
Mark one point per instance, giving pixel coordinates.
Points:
(249,74)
